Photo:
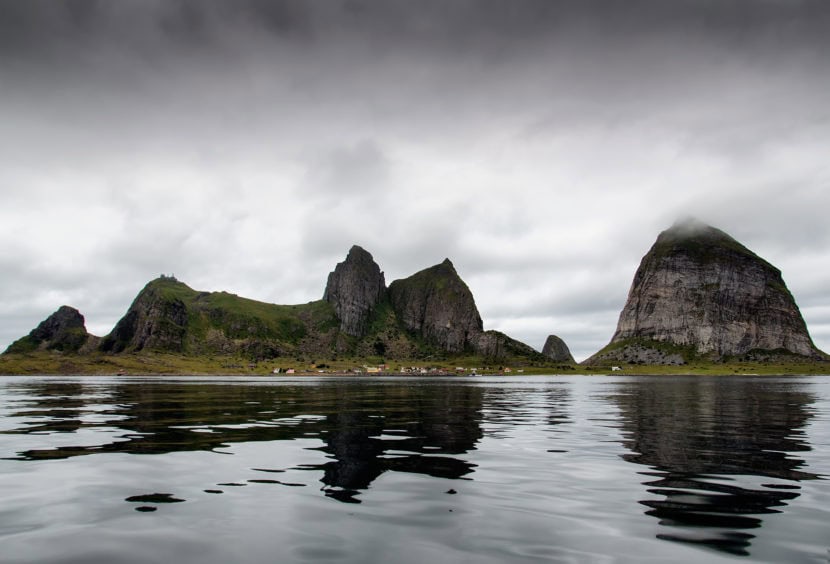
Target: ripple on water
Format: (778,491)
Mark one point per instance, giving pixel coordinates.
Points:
(492,470)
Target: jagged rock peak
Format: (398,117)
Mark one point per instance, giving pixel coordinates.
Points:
(354,288)
(701,290)
(436,304)
(556,350)
(66,317)
(64,331)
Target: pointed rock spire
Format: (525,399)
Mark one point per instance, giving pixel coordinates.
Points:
(354,288)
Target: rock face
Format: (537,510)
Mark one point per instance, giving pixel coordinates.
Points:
(438,306)
(701,290)
(556,350)
(496,345)
(62,331)
(157,319)
(354,288)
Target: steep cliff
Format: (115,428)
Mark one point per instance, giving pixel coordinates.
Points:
(437,305)
(556,350)
(700,293)
(63,331)
(354,288)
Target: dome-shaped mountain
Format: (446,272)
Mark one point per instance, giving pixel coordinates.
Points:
(702,293)
(556,350)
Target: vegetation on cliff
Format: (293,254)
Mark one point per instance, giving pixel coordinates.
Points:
(169,316)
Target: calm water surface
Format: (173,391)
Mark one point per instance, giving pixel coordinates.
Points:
(536,469)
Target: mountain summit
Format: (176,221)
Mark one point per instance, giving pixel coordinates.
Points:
(702,293)
(354,288)
(437,305)
(62,331)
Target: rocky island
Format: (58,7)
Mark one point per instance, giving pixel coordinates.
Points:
(698,298)
(431,315)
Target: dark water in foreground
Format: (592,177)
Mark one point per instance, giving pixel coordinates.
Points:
(548,469)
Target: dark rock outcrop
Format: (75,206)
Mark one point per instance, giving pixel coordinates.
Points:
(63,331)
(556,350)
(698,292)
(496,345)
(354,288)
(157,319)
(437,305)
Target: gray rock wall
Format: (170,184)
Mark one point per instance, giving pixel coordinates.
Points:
(438,306)
(556,350)
(354,288)
(699,287)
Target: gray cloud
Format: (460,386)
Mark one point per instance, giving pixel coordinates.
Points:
(541,145)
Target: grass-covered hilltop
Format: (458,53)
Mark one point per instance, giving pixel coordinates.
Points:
(700,302)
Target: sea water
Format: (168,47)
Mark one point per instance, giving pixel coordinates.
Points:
(414,470)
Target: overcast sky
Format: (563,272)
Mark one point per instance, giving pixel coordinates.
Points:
(541,145)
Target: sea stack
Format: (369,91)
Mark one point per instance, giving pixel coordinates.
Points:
(354,288)
(699,293)
(556,350)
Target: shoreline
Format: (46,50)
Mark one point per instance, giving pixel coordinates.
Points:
(165,364)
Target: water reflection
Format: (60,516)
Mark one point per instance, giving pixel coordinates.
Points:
(509,408)
(715,447)
(365,429)
(716,456)
(406,429)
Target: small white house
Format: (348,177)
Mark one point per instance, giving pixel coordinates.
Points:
(615,369)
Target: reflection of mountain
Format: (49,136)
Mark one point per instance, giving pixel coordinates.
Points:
(413,429)
(159,417)
(366,428)
(701,437)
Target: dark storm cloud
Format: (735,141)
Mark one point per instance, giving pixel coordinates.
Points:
(471,24)
(539,144)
